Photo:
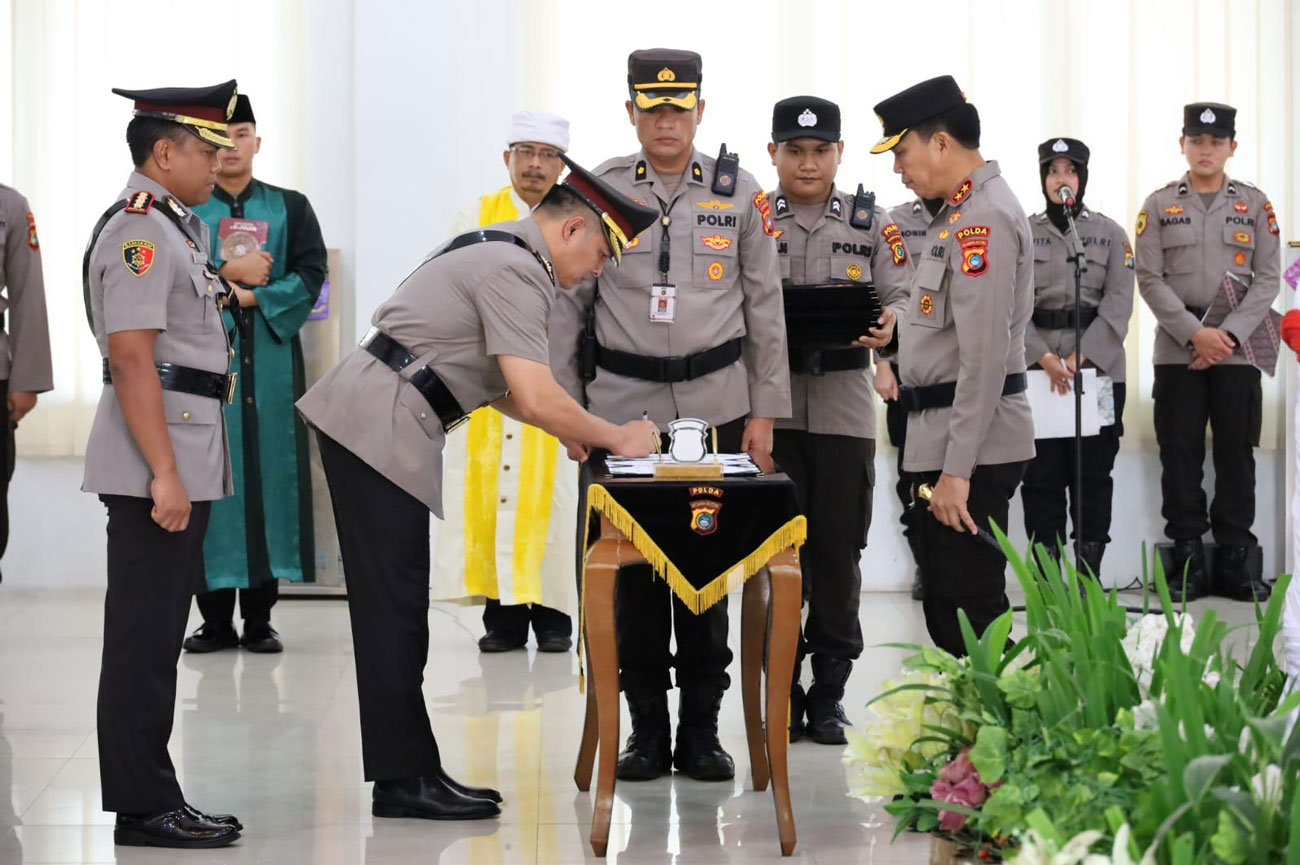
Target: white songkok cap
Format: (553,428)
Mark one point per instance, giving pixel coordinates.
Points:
(541,127)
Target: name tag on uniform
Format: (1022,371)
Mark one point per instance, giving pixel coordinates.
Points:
(663,303)
(199,256)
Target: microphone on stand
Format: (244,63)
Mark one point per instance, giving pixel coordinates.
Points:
(1066,195)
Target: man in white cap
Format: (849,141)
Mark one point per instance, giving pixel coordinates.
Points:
(511,495)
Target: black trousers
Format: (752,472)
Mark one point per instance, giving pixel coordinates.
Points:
(1050,475)
(647,614)
(962,571)
(152,574)
(1231,400)
(384,541)
(218,607)
(514,619)
(833,477)
(7,466)
(896,426)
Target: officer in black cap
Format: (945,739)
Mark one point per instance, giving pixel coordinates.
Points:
(828,445)
(961,352)
(1191,234)
(157,450)
(703,285)
(1106,305)
(466,328)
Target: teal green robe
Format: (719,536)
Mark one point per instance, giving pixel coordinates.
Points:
(264,531)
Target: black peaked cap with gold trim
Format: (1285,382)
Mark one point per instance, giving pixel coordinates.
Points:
(917,104)
(664,76)
(204,111)
(621,217)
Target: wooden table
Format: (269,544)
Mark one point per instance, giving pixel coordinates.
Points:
(769,632)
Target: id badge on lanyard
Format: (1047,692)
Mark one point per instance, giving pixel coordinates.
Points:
(663,303)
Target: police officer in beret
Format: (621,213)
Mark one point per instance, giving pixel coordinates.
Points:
(962,352)
(466,329)
(828,445)
(691,325)
(1106,293)
(157,453)
(913,220)
(1190,234)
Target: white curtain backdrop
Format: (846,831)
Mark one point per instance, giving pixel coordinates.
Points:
(64,143)
(1112,72)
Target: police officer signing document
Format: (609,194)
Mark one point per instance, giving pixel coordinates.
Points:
(157,452)
(467,328)
(962,352)
(828,445)
(690,326)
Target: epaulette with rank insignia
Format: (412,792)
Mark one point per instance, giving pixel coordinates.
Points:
(140,202)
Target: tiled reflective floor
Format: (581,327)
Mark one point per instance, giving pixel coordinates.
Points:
(275,740)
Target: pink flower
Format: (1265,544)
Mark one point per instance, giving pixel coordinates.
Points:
(958,784)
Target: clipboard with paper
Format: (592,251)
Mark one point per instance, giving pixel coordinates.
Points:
(1053,413)
(1260,349)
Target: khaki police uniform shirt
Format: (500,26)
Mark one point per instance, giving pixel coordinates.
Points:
(456,313)
(968,309)
(832,250)
(145,274)
(1184,249)
(724,266)
(1107,285)
(914,221)
(25,347)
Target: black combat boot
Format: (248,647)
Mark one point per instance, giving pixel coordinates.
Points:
(1089,564)
(647,755)
(826,718)
(798,704)
(1188,557)
(699,754)
(1238,574)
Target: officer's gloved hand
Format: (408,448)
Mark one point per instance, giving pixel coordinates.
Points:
(1291,330)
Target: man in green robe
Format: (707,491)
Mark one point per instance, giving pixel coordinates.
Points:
(268,244)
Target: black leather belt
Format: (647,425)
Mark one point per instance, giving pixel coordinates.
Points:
(942,395)
(1198,311)
(184,379)
(1063,319)
(667,370)
(395,356)
(819,361)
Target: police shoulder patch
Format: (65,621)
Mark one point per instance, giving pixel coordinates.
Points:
(138,256)
(764,208)
(33,242)
(1141,222)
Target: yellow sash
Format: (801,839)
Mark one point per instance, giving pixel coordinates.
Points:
(538,455)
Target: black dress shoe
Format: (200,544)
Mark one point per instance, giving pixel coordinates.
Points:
(550,641)
(428,798)
(1188,560)
(211,638)
(472,792)
(178,828)
(499,641)
(219,819)
(262,639)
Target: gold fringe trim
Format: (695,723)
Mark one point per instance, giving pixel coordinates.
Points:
(792,534)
